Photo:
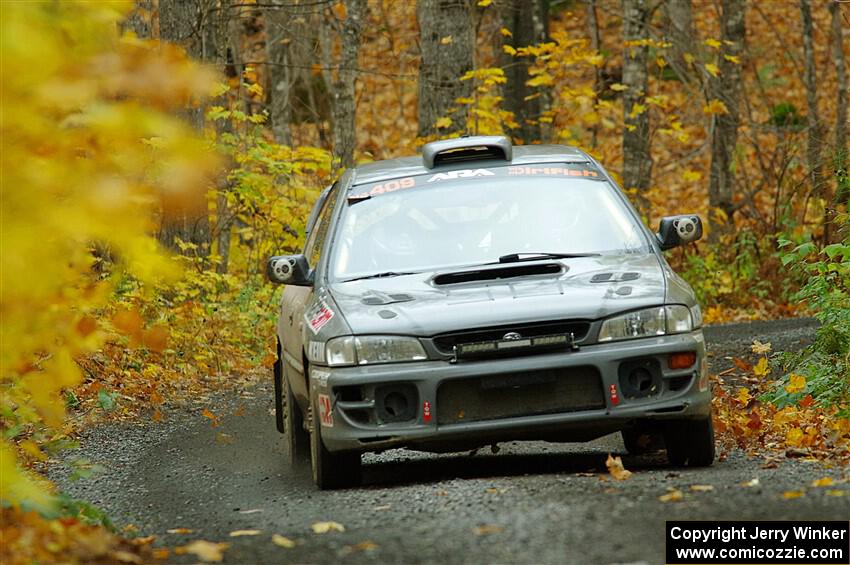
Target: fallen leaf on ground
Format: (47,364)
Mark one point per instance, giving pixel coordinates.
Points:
(383,507)
(792,494)
(282,541)
(752,483)
(223,438)
(211,417)
(487,529)
(760,348)
(702,488)
(823,482)
(836,492)
(325,527)
(366,545)
(674,495)
(205,550)
(251,511)
(494,490)
(742,365)
(615,467)
(180,531)
(240,533)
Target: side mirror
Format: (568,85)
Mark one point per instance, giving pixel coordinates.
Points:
(289,269)
(678,230)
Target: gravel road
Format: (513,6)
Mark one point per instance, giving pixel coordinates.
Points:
(531,503)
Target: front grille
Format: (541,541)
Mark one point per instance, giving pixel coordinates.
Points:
(447,341)
(548,391)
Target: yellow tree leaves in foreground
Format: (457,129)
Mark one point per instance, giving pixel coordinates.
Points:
(90,158)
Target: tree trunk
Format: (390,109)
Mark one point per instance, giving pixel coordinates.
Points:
(726,88)
(812,119)
(180,23)
(596,46)
(139,20)
(841,73)
(279,46)
(344,110)
(522,19)
(680,30)
(637,160)
(447,43)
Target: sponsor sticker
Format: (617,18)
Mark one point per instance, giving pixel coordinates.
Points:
(319,317)
(615,398)
(320,376)
(316,351)
(426,411)
(326,415)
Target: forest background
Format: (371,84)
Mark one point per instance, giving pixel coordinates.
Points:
(155,153)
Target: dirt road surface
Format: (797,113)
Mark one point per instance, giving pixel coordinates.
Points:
(530,503)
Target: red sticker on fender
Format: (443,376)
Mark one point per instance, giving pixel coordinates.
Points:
(320,317)
(326,415)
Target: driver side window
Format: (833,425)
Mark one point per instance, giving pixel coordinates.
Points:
(316,238)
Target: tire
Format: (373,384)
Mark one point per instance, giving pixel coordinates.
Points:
(640,441)
(296,440)
(690,442)
(331,470)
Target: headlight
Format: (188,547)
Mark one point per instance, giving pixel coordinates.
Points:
(656,321)
(372,349)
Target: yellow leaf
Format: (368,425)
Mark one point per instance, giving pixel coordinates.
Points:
(689,59)
(733,59)
(660,62)
(325,527)
(241,533)
(487,529)
(823,482)
(443,123)
(180,531)
(743,396)
(789,494)
(205,550)
(282,541)
(713,43)
(760,348)
(794,437)
(712,69)
(715,106)
(340,11)
(702,488)
(637,109)
(752,483)
(484,3)
(761,368)
(509,50)
(674,495)
(255,89)
(836,492)
(691,175)
(796,383)
(506,32)
(447,40)
(617,87)
(615,467)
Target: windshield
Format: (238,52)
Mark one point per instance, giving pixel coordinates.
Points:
(477,220)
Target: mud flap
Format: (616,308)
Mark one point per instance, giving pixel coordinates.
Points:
(278,395)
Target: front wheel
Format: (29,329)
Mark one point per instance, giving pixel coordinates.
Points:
(690,442)
(296,438)
(331,470)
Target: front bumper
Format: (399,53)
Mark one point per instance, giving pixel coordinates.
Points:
(353,419)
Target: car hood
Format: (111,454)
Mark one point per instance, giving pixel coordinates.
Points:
(590,288)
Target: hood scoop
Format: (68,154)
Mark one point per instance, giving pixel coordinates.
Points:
(614,277)
(375,298)
(499,273)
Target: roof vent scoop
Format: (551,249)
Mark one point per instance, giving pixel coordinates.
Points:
(473,148)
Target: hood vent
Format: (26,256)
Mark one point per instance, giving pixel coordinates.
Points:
(499,273)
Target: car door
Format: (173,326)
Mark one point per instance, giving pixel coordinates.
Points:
(296,298)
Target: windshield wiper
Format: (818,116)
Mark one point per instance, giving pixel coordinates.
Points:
(534,256)
(383,275)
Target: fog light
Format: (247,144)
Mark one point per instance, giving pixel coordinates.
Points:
(682,360)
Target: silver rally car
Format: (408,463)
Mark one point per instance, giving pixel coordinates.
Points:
(482,293)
